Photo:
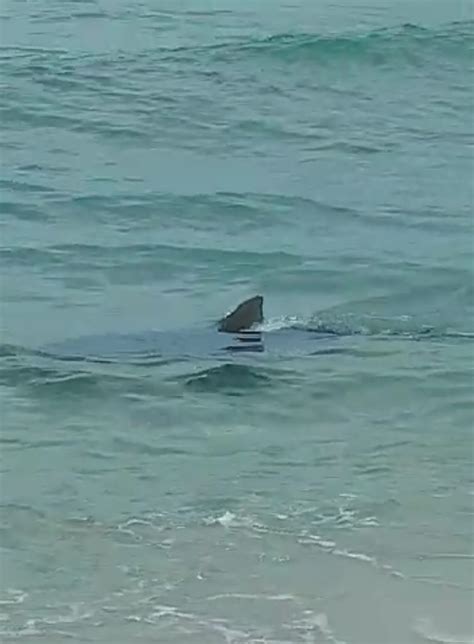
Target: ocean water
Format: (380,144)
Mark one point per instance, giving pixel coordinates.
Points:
(160,162)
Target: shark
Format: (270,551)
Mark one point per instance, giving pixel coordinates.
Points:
(239,331)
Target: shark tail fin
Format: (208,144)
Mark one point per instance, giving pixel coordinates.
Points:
(244,316)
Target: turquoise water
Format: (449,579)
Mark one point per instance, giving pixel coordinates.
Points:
(160,162)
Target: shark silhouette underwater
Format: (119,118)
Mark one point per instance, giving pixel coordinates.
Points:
(236,332)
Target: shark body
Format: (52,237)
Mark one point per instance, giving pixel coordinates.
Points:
(234,333)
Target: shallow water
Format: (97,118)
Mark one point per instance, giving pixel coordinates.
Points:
(160,162)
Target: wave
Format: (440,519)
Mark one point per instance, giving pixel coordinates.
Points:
(395,46)
(94,254)
(36,370)
(53,375)
(230,378)
(408,41)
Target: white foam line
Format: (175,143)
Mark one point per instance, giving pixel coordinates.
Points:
(440,582)
(330,547)
(132,522)
(67,634)
(230,635)
(425,629)
(327,546)
(77,614)
(321,623)
(449,555)
(316,540)
(130,533)
(251,596)
(20,634)
(17,597)
(355,555)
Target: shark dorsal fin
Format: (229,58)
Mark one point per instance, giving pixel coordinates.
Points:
(244,316)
